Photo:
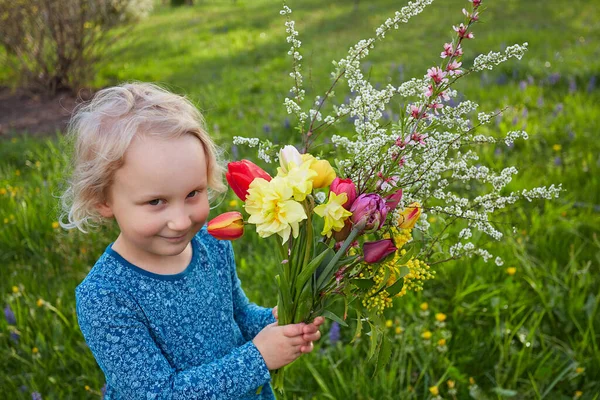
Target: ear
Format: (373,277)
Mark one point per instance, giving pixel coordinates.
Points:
(105,210)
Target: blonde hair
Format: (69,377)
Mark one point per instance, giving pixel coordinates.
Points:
(102,130)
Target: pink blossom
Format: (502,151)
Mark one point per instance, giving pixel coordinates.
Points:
(444,95)
(462,32)
(400,142)
(434,106)
(437,75)
(388,183)
(458,52)
(401,162)
(447,50)
(415,112)
(418,138)
(429,91)
(472,17)
(476,3)
(452,68)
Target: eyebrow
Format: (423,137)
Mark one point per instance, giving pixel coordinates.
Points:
(152,196)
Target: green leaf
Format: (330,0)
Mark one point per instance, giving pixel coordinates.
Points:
(358,326)
(332,316)
(385,353)
(308,270)
(396,287)
(374,340)
(364,284)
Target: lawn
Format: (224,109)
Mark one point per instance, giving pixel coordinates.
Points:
(527,330)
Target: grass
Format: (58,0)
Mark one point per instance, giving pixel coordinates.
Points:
(533,334)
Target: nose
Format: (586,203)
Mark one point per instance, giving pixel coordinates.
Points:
(179,220)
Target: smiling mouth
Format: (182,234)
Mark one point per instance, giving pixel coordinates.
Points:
(175,237)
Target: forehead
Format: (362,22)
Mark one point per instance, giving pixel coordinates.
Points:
(165,165)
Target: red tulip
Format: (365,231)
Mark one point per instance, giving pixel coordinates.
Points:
(376,251)
(392,200)
(240,175)
(227,226)
(344,186)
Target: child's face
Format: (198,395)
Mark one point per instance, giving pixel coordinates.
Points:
(159,197)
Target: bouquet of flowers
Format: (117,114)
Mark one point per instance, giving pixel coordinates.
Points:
(355,229)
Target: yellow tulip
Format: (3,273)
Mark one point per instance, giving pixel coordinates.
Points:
(409,217)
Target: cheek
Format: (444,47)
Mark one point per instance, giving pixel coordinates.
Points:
(200,212)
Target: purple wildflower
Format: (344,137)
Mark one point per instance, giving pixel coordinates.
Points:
(572,85)
(267,128)
(36,396)
(10,315)
(591,84)
(557,161)
(522,85)
(334,333)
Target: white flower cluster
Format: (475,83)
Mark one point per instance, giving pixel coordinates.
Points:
(410,10)
(511,136)
(490,60)
(250,142)
(293,106)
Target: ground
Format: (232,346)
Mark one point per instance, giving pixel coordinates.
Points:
(35,114)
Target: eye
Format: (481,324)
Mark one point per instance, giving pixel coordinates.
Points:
(154,202)
(193,194)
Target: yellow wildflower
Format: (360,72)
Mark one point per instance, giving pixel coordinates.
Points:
(578,394)
(2,191)
(557,147)
(18,172)
(511,270)
(440,317)
(434,391)
(426,335)
(55,225)
(398,330)
(233,203)
(272,210)
(6,220)
(35,350)
(424,306)
(471,381)
(451,384)
(86,387)
(15,289)
(442,342)
(389,323)
(579,370)
(333,213)
(39,302)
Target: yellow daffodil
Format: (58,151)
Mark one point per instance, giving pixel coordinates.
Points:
(325,173)
(334,213)
(298,178)
(272,209)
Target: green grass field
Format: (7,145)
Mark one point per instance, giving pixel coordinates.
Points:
(532,332)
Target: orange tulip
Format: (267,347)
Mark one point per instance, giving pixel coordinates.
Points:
(227,226)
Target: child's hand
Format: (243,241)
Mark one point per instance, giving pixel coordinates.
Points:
(310,332)
(280,345)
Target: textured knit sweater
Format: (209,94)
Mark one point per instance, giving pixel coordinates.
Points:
(182,336)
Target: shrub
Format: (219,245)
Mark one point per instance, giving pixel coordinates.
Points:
(55,44)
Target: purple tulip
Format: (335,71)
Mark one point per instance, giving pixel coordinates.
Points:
(378,250)
(369,208)
(392,200)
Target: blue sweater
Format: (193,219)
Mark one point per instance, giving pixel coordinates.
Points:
(182,336)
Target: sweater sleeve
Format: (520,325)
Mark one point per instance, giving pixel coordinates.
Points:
(250,317)
(115,330)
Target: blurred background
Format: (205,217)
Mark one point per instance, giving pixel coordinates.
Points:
(529,329)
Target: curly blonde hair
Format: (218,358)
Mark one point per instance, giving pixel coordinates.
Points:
(101,131)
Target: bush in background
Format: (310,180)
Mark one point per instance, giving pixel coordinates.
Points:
(54,45)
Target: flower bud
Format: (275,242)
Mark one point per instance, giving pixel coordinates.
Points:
(370,209)
(240,175)
(227,226)
(287,155)
(344,186)
(376,251)
(392,200)
(409,217)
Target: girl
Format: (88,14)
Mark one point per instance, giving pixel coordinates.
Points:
(162,309)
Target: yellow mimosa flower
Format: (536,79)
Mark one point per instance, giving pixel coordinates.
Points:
(333,213)
(271,208)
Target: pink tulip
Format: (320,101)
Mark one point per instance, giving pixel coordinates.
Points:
(339,186)
(369,208)
(227,226)
(376,251)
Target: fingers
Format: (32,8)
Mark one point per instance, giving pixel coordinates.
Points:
(275,312)
(307,348)
(292,330)
(312,337)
